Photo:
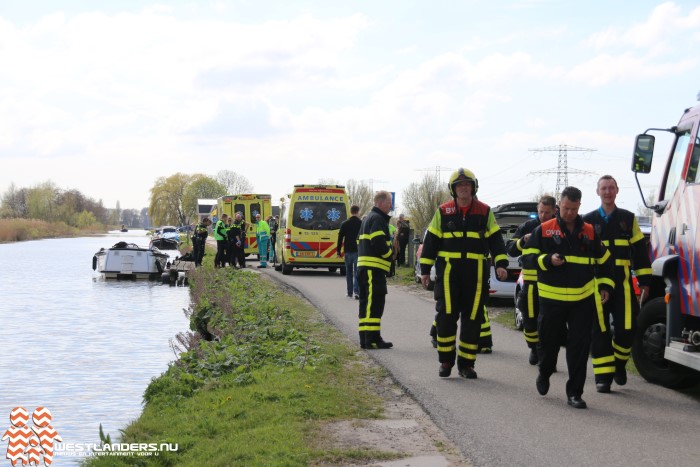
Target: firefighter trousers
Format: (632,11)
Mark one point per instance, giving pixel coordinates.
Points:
(556,318)
(612,345)
(373,290)
(485,335)
(528,304)
(460,296)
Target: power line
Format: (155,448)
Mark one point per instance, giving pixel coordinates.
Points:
(438,171)
(562,169)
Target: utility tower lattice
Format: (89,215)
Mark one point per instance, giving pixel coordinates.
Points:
(562,169)
(438,171)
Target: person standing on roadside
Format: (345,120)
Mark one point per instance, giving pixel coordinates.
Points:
(274,224)
(238,246)
(221,240)
(528,300)
(373,265)
(404,229)
(347,238)
(574,281)
(460,237)
(262,235)
(199,240)
(620,233)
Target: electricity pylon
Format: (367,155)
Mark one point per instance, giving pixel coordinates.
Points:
(562,169)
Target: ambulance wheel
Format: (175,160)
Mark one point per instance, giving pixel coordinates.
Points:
(332,269)
(649,346)
(343,271)
(286,270)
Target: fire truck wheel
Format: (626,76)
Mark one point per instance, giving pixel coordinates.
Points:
(648,350)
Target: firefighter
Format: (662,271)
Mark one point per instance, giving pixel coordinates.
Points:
(460,237)
(527,298)
(199,240)
(620,233)
(573,282)
(373,265)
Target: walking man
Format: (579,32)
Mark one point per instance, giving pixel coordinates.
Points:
(459,239)
(573,282)
(347,237)
(373,264)
(620,233)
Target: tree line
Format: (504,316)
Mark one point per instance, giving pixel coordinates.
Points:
(173,201)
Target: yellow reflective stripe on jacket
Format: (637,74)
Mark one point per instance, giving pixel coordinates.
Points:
(531,251)
(458,255)
(643,272)
(566,294)
(427,261)
(461,235)
(500,258)
(529,275)
(373,262)
(435,230)
(540,261)
(606,281)
(621,242)
(370,236)
(623,262)
(446,288)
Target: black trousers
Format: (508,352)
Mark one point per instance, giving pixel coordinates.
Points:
(220,258)
(373,290)
(198,250)
(556,319)
(401,257)
(529,306)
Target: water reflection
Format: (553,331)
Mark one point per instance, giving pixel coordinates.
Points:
(81,346)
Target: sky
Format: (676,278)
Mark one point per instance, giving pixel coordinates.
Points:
(106,97)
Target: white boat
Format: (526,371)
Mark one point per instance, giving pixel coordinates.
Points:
(130,261)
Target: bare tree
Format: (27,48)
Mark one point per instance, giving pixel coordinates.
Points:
(422,199)
(199,187)
(235,184)
(650,200)
(360,193)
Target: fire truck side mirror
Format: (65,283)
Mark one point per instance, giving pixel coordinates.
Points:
(643,154)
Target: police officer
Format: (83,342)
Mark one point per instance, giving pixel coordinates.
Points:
(620,233)
(237,231)
(199,240)
(573,281)
(458,242)
(221,240)
(373,264)
(528,300)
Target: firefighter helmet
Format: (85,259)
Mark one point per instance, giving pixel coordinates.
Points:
(460,175)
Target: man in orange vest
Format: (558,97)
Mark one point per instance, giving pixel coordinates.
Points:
(574,280)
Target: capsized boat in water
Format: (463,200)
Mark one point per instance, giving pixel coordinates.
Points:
(130,261)
(166,238)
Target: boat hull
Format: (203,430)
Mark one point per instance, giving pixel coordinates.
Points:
(129,261)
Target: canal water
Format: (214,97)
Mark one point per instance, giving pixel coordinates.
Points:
(81,346)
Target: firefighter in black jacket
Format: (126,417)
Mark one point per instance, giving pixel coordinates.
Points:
(528,298)
(373,264)
(573,281)
(459,239)
(619,231)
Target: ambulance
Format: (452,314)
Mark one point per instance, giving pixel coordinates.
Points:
(310,220)
(666,348)
(248,205)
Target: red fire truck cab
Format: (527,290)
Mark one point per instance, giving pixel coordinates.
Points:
(666,348)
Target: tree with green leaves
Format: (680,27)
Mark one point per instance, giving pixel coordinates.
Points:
(201,187)
(165,206)
(421,199)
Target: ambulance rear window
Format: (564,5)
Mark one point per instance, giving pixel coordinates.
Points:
(311,215)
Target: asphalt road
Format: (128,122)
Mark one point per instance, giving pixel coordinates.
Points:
(499,418)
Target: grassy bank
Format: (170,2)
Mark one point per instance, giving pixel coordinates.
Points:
(261,389)
(17,230)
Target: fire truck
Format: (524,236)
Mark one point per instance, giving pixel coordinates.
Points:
(666,348)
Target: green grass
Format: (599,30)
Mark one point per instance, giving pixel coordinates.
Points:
(262,391)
